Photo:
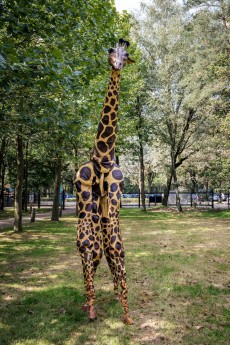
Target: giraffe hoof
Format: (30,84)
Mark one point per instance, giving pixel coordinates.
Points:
(117,297)
(85,308)
(92,313)
(128,320)
(92,320)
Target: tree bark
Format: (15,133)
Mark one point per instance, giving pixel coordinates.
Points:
(141,155)
(18,189)
(39,199)
(176,186)
(76,169)
(167,190)
(25,194)
(150,177)
(57,184)
(2,187)
(2,152)
(2,171)
(226,26)
(142,176)
(174,166)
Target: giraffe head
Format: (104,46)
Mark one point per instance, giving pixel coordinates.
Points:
(118,57)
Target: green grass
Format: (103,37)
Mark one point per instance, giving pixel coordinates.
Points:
(177,271)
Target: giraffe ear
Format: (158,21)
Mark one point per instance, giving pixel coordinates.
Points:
(130,60)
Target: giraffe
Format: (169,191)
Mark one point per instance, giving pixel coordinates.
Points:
(99,184)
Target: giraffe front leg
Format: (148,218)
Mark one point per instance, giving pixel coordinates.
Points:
(88,270)
(87,241)
(89,285)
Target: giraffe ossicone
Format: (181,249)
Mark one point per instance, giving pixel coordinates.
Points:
(99,186)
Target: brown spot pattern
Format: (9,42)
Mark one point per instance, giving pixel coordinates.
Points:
(98,189)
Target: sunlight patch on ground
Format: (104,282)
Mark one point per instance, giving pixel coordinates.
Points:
(33,342)
(107,287)
(153,338)
(23,287)
(153,331)
(160,232)
(73,339)
(156,324)
(4,326)
(114,324)
(8,298)
(139,254)
(108,339)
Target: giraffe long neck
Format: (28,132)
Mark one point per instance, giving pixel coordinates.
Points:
(104,146)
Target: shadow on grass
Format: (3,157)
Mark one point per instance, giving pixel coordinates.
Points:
(49,315)
(196,290)
(54,316)
(40,239)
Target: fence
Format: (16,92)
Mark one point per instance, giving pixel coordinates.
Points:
(8,199)
(35,199)
(187,199)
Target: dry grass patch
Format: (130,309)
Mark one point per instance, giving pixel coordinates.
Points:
(178,277)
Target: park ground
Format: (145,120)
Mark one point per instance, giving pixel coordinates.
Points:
(177,270)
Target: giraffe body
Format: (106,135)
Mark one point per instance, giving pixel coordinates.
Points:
(99,185)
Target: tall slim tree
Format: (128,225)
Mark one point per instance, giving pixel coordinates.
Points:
(181,92)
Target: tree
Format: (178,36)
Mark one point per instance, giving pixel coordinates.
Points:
(182,95)
(48,55)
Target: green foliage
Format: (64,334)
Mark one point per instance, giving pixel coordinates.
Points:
(185,53)
(53,57)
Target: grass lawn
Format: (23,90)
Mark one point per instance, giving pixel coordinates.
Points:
(177,270)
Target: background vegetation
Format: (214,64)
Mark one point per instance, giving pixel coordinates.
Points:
(174,101)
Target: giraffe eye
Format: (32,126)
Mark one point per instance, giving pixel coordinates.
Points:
(126,55)
(111,50)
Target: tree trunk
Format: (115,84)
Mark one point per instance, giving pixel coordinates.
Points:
(2,152)
(174,166)
(57,184)
(193,181)
(25,194)
(39,199)
(150,177)
(141,154)
(167,190)
(142,176)
(76,169)
(2,171)
(178,204)
(18,188)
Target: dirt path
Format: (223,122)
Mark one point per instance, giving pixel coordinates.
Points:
(9,222)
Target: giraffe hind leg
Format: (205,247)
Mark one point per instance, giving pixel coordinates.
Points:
(114,248)
(123,298)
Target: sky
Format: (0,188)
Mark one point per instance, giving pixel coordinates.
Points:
(128,5)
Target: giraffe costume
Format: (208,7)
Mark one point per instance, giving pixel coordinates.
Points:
(99,184)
